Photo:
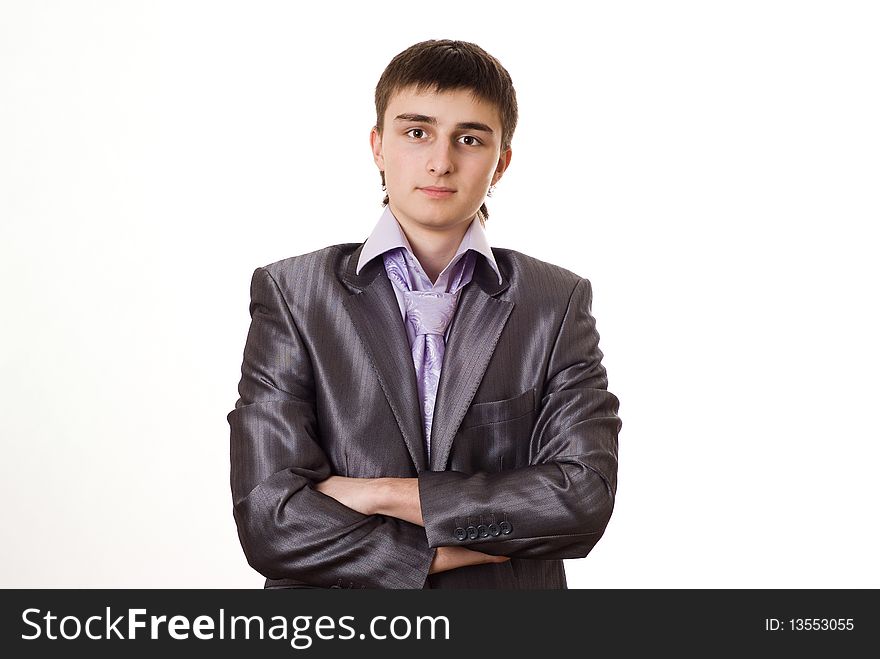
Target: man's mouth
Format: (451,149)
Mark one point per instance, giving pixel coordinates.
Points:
(436,192)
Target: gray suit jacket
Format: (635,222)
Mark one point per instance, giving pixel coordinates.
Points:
(524,440)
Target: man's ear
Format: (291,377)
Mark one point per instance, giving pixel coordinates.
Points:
(503,164)
(376,146)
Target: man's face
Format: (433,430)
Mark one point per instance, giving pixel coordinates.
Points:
(440,153)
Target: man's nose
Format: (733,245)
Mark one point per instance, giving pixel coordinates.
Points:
(440,158)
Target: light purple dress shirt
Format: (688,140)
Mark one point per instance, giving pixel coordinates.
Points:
(407,274)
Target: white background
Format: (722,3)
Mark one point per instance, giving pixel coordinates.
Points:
(711,167)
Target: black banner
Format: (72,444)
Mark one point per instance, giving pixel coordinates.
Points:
(289,623)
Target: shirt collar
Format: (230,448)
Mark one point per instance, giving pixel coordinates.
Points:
(387,235)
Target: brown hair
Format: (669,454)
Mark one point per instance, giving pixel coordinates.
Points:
(446,65)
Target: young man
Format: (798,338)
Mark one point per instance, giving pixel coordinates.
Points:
(421,410)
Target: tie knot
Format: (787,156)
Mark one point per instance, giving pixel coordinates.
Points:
(429,311)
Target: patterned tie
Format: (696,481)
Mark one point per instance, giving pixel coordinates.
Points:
(429,313)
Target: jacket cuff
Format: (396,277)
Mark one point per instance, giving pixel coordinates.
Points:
(451,519)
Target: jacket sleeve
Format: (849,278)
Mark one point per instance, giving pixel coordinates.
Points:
(559,505)
(287,528)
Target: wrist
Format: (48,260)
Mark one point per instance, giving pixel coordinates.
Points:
(396,497)
(380,494)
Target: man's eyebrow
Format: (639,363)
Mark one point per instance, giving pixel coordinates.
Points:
(425,119)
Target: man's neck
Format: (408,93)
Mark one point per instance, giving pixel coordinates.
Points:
(434,249)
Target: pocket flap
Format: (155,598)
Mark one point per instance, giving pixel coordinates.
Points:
(499,410)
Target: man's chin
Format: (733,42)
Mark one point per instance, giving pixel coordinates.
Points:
(433,215)
(437,219)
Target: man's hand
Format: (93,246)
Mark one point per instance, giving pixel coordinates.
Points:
(356,493)
(449,558)
(394,497)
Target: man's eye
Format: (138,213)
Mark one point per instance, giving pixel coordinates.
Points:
(417,133)
(470,140)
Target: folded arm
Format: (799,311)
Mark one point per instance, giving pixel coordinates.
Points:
(287,528)
(559,505)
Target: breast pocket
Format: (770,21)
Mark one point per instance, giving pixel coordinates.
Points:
(500,410)
(494,435)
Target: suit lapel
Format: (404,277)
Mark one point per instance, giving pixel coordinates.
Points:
(376,316)
(475,329)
